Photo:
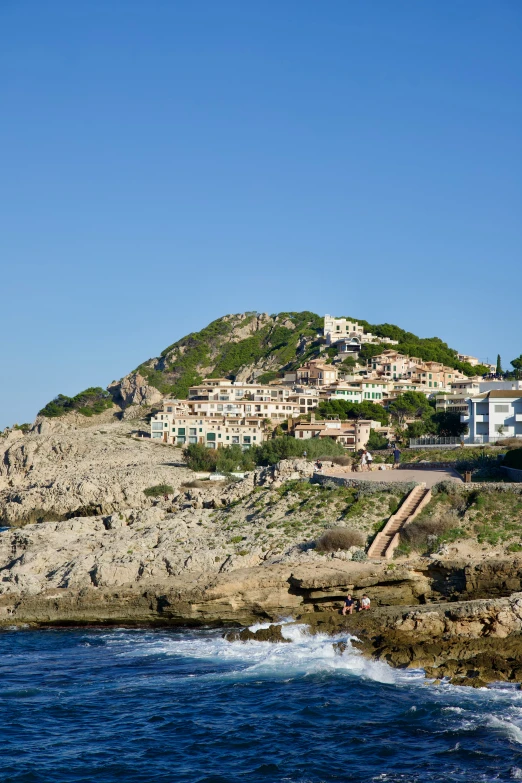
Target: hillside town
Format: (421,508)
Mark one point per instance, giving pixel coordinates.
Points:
(221,412)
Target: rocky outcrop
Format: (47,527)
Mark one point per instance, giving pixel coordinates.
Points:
(61,470)
(272,634)
(284,470)
(134,390)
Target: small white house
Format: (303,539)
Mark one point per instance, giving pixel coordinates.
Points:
(494,415)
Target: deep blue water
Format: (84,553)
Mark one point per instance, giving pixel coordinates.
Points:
(156,706)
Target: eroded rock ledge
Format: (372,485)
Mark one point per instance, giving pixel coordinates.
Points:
(472,641)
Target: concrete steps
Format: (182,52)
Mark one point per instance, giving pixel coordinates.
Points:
(387,540)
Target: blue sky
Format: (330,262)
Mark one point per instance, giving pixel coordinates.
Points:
(166,163)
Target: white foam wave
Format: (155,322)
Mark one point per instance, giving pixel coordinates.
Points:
(307,653)
(506,728)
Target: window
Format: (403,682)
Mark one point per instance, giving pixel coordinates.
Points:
(157,425)
(169,409)
(501,408)
(181,430)
(235,438)
(156,434)
(192,431)
(181,441)
(211,436)
(246,439)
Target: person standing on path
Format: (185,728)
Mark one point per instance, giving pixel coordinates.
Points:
(396,457)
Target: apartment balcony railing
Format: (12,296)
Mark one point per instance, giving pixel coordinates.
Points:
(435,441)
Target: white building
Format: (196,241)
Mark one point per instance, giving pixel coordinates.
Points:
(371,390)
(456,401)
(336,329)
(494,415)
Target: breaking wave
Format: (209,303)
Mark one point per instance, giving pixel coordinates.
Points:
(159,705)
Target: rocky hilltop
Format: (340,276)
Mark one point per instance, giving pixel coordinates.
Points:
(258,346)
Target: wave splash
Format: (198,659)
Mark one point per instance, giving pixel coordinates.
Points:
(307,654)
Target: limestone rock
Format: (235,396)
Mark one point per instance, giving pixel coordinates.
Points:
(134,390)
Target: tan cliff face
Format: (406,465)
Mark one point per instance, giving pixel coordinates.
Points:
(66,466)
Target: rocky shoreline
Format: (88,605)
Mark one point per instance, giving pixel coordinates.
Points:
(471,642)
(87,546)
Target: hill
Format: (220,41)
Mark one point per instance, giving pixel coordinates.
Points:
(258,346)
(247,346)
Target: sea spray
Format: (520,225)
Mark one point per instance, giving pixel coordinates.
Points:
(159,705)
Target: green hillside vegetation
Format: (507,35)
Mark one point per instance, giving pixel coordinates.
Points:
(230,459)
(216,352)
(427,348)
(179,365)
(263,346)
(89,402)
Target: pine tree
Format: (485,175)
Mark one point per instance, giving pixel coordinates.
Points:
(499,365)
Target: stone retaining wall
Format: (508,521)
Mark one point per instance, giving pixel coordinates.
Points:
(367,487)
(513,473)
(454,487)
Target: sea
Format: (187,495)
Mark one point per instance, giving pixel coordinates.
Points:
(176,706)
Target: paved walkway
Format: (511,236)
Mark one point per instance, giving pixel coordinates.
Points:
(429,477)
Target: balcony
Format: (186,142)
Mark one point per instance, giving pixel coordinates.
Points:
(481,418)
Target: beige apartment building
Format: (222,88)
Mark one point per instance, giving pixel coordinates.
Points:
(306,397)
(214,432)
(275,411)
(317,373)
(352,434)
(434,375)
(391,364)
(430,375)
(464,357)
(224,390)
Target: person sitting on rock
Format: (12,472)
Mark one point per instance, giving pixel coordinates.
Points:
(349,605)
(365,603)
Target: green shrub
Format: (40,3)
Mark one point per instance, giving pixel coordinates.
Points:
(423,534)
(376,441)
(285,447)
(513,459)
(88,402)
(339,538)
(158,490)
(402,550)
(198,457)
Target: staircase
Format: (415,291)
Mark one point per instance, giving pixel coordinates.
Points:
(387,540)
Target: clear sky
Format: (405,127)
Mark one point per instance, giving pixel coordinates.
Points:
(164,163)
